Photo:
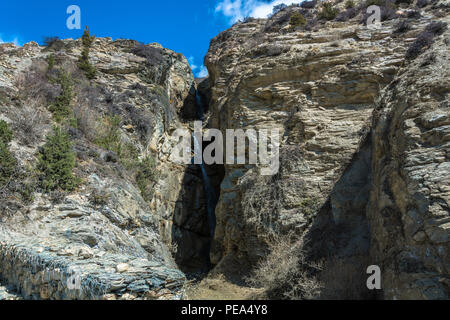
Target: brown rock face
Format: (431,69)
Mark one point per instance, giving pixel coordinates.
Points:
(319,89)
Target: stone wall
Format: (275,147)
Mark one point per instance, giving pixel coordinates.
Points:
(37,273)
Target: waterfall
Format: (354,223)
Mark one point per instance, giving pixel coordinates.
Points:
(199,105)
(211,198)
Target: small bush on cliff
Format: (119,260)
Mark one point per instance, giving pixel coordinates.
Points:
(50,62)
(6,133)
(153,55)
(278,8)
(83,62)
(99,198)
(7,161)
(402,27)
(422,3)
(146,177)
(49,41)
(347,14)
(328,12)
(425,39)
(56,161)
(349,4)
(108,134)
(60,108)
(308,4)
(297,20)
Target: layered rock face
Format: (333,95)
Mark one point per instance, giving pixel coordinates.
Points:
(409,203)
(319,88)
(363,170)
(105,223)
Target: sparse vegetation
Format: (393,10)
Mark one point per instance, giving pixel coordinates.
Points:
(346,15)
(328,12)
(285,273)
(56,160)
(83,62)
(278,8)
(108,134)
(146,177)
(30,123)
(349,4)
(61,106)
(99,198)
(308,4)
(51,62)
(402,27)
(297,20)
(49,41)
(422,3)
(6,134)
(7,161)
(153,55)
(143,170)
(425,39)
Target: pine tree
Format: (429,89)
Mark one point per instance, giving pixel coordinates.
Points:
(6,134)
(7,161)
(56,161)
(60,108)
(83,62)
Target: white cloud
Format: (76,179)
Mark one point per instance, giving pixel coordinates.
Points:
(200,72)
(203,72)
(191,61)
(236,10)
(15,40)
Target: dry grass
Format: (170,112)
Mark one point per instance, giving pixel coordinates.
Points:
(218,288)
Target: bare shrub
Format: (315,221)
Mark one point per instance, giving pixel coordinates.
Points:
(425,39)
(286,273)
(265,197)
(34,83)
(346,15)
(308,4)
(49,41)
(422,3)
(30,123)
(153,55)
(86,120)
(275,23)
(84,111)
(99,198)
(414,14)
(402,27)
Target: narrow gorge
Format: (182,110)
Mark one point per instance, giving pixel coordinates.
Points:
(364,176)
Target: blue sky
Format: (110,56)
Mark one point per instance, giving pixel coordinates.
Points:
(182,26)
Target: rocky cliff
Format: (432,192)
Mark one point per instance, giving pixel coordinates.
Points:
(364,181)
(113,233)
(363,178)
